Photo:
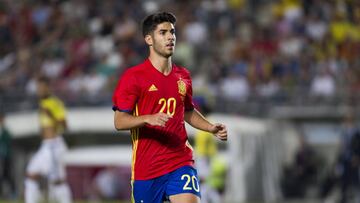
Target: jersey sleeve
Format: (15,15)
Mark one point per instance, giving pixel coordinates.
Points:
(188,102)
(126,93)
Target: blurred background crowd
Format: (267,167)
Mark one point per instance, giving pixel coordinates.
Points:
(245,56)
(280,51)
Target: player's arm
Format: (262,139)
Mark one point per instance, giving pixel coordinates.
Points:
(58,114)
(126,121)
(196,120)
(63,124)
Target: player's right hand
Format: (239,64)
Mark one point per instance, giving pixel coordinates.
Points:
(159,119)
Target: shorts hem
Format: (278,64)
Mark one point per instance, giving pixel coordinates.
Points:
(184,192)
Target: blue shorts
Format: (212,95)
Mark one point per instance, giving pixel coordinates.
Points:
(182,180)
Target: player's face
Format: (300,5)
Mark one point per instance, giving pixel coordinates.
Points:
(164,39)
(42,89)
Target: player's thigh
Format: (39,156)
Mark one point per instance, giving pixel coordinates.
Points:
(183,185)
(184,198)
(40,163)
(148,190)
(57,167)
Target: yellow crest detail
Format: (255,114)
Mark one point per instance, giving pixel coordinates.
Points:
(181,87)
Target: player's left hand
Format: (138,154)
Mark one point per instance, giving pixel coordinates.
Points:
(219,130)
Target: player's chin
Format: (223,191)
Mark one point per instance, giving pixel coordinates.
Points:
(168,54)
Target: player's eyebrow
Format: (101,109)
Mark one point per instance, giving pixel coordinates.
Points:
(172,30)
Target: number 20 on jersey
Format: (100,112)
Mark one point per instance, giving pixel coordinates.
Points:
(168,106)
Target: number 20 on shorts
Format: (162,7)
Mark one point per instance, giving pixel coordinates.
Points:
(169,105)
(190,181)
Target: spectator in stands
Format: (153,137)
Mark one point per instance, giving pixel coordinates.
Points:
(7,187)
(101,35)
(315,27)
(323,85)
(235,87)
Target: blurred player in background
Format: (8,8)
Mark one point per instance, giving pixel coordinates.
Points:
(7,186)
(205,150)
(349,158)
(48,160)
(210,165)
(153,99)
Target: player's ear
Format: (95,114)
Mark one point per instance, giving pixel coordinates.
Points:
(148,40)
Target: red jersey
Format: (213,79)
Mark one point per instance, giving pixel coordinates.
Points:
(144,90)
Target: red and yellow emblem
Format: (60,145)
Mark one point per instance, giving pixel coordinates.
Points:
(181,87)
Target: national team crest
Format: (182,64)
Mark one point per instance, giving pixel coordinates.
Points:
(182,87)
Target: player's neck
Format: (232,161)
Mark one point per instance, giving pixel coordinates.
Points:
(162,64)
(45,96)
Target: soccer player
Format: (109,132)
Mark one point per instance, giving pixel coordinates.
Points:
(48,160)
(6,175)
(153,99)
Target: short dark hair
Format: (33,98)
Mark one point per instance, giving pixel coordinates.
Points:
(150,22)
(43,79)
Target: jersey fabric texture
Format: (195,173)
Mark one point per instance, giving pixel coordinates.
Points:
(52,112)
(182,180)
(143,90)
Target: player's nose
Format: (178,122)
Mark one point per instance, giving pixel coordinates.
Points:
(171,37)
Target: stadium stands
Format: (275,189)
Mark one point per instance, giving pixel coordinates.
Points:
(274,51)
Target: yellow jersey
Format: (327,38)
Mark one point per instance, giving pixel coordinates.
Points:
(52,113)
(205,144)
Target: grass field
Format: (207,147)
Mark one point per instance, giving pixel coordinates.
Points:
(11,201)
(293,201)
